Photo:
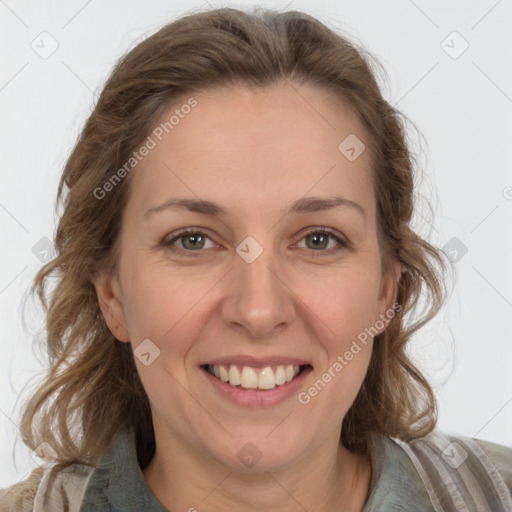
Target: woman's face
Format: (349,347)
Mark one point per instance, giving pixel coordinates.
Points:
(271,277)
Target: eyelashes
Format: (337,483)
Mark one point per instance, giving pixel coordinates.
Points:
(326,234)
(198,236)
(169,243)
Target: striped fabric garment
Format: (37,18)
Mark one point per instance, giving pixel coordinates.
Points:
(459,475)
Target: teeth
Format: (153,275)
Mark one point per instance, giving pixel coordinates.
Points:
(280,376)
(266,378)
(252,378)
(289,373)
(234,375)
(249,378)
(223,374)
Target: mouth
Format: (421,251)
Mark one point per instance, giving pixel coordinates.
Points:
(263,378)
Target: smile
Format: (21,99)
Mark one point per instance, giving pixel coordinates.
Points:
(248,377)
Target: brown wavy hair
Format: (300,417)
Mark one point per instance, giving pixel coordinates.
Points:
(92,386)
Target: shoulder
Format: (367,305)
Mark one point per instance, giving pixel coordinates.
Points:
(20,496)
(48,489)
(501,456)
(458,470)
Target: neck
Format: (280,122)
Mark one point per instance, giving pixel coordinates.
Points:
(330,478)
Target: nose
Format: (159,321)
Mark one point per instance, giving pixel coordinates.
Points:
(259,300)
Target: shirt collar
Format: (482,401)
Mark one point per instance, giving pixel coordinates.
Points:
(395,483)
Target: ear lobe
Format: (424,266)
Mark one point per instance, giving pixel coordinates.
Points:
(389,291)
(110,302)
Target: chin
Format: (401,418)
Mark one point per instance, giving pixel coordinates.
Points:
(254,453)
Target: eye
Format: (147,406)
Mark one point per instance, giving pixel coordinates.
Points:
(319,240)
(189,240)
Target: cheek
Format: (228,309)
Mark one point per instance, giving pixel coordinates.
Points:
(346,378)
(343,302)
(166,304)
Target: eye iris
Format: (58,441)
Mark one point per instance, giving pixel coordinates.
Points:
(196,238)
(316,237)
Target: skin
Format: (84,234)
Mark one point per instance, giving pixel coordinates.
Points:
(254,152)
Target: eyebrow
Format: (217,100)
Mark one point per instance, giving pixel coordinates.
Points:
(303,205)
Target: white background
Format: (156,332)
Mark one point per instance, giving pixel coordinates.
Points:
(462,106)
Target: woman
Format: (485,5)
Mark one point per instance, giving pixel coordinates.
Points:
(235,266)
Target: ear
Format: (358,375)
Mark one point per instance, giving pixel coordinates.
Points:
(388,293)
(110,300)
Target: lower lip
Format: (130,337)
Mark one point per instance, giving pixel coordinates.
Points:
(258,397)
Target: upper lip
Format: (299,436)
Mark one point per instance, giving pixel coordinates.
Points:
(258,362)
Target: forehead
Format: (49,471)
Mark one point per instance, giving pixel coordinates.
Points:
(264,144)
